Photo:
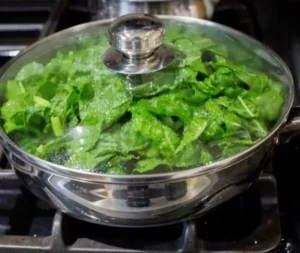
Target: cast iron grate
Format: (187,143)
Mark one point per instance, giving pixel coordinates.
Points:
(248,223)
(24,22)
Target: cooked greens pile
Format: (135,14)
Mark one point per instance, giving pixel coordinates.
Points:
(75,112)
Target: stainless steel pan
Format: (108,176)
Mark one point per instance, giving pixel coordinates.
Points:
(148,200)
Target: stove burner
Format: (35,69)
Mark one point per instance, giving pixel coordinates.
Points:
(247,223)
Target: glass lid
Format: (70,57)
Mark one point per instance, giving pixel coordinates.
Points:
(142,95)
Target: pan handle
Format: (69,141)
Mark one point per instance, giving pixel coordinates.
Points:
(292,127)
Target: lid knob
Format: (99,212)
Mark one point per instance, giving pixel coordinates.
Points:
(137,45)
(137,36)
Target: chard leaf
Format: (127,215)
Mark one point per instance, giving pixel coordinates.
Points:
(14,89)
(241,106)
(191,154)
(85,161)
(121,140)
(115,171)
(231,121)
(150,127)
(218,81)
(31,72)
(150,164)
(257,128)
(192,131)
(57,126)
(269,104)
(247,108)
(167,105)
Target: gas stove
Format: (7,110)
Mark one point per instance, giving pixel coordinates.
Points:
(265,218)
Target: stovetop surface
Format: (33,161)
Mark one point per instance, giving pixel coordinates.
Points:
(248,223)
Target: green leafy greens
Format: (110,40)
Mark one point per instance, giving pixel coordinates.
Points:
(75,112)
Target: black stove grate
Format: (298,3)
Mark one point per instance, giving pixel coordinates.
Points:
(23,22)
(248,223)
